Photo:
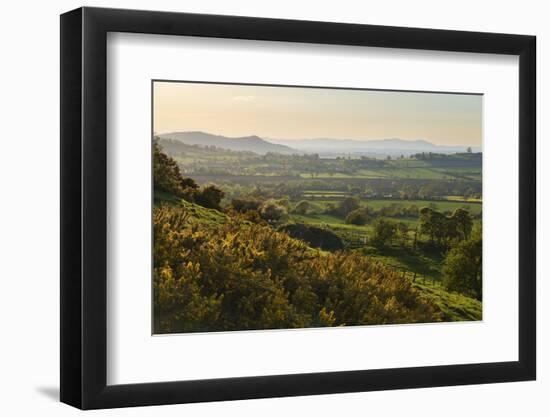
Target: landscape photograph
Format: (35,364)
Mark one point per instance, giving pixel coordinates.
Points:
(286,207)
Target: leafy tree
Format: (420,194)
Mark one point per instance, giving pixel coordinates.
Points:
(242,205)
(272,211)
(209,196)
(462,267)
(442,229)
(402,232)
(188,183)
(302,207)
(358,217)
(384,233)
(347,205)
(411,211)
(433,224)
(285,202)
(462,223)
(167,176)
(425,223)
(330,208)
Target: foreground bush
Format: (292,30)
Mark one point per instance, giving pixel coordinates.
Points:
(246,276)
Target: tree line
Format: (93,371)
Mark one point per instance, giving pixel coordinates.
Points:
(167,177)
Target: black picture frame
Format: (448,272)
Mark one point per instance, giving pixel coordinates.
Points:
(84,207)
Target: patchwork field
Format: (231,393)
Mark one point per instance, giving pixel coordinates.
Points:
(451,204)
(377,209)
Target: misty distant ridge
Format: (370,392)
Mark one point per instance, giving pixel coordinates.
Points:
(244,143)
(358,145)
(322,146)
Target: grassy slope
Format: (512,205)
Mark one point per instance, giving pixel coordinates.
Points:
(203,215)
(426,266)
(197,213)
(456,307)
(389,172)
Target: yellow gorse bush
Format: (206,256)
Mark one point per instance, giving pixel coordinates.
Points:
(240,276)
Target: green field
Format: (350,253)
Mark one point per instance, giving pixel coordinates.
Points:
(401,173)
(422,268)
(338,223)
(444,205)
(463,199)
(217,161)
(474,208)
(455,307)
(443,183)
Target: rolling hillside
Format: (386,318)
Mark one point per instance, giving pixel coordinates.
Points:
(247,143)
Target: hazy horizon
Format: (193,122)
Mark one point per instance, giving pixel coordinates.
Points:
(301,113)
(306,139)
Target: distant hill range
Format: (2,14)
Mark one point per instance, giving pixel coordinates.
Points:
(322,146)
(378,146)
(245,143)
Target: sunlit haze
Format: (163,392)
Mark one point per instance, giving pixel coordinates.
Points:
(303,113)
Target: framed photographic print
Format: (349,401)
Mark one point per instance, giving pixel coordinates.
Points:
(257,207)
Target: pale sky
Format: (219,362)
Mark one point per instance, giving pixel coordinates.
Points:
(303,113)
